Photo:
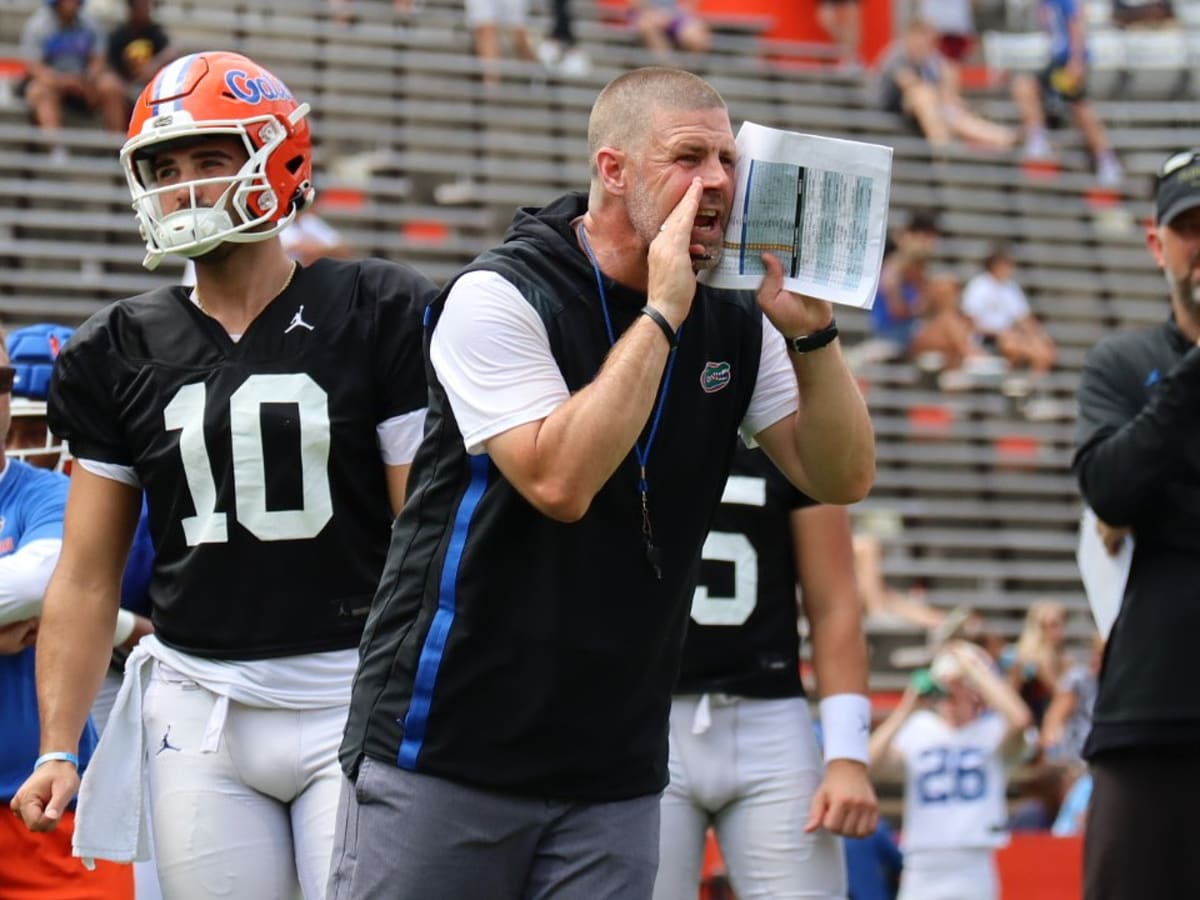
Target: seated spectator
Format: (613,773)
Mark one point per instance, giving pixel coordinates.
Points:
(64,50)
(560,51)
(1036,663)
(1001,315)
(1060,92)
(842,21)
(943,329)
(1068,718)
(1144,13)
(138,48)
(916,82)
(902,278)
(486,19)
(954,22)
(881,602)
(667,25)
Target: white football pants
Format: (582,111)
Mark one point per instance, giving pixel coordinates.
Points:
(253,819)
(751,775)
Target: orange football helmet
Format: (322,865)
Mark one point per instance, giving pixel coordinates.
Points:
(208,94)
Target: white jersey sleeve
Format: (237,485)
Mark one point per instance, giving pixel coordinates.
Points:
(491,353)
(954,792)
(775,392)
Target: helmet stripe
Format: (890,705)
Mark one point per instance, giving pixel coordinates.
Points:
(171,81)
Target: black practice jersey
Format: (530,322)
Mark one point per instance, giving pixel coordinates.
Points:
(260,460)
(742,636)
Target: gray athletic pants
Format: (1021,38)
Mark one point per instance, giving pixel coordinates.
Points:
(405,836)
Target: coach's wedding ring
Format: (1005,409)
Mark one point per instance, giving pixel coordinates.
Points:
(662,227)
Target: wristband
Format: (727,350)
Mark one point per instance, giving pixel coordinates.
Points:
(846,722)
(661,321)
(124,627)
(56,756)
(807,343)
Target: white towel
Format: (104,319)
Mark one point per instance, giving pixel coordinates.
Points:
(110,818)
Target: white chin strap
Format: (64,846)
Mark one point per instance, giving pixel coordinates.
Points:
(189,232)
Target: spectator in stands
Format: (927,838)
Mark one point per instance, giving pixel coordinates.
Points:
(64,50)
(954,732)
(902,280)
(1003,319)
(1060,91)
(560,51)
(842,21)
(954,22)
(32,503)
(1036,663)
(881,602)
(1137,467)
(943,329)
(1144,13)
(915,82)
(1068,718)
(138,48)
(668,25)
(486,19)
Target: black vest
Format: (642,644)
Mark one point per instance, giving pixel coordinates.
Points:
(511,651)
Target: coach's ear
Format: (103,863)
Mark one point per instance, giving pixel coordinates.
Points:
(611,170)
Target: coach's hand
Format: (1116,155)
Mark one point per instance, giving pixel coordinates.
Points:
(845,802)
(42,799)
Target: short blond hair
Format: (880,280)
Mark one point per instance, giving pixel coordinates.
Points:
(622,115)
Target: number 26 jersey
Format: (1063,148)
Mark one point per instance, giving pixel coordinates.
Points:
(955,782)
(263,473)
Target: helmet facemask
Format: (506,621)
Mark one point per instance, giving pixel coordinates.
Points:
(37,445)
(247,209)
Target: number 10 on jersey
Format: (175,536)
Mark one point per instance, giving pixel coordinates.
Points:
(185,414)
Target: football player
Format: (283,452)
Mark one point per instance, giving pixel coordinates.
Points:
(743,755)
(269,415)
(953,734)
(31,524)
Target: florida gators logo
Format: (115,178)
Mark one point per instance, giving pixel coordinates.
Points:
(715,376)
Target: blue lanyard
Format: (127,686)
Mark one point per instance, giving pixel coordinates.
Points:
(653,555)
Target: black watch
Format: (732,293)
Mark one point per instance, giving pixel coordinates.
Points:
(807,343)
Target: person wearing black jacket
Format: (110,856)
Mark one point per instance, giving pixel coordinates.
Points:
(1138,465)
(508,727)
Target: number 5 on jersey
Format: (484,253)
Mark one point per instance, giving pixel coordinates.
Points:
(185,414)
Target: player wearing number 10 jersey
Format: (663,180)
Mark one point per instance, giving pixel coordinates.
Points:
(743,754)
(270,417)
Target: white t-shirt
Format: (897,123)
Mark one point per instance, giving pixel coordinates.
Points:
(492,354)
(948,16)
(955,784)
(994,305)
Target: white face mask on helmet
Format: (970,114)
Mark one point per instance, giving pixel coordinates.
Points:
(48,452)
(208,95)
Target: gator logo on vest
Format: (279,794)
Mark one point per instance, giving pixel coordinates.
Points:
(715,376)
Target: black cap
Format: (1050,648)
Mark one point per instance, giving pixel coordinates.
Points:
(1178,188)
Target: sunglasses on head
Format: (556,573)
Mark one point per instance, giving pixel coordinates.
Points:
(7,373)
(1177,161)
